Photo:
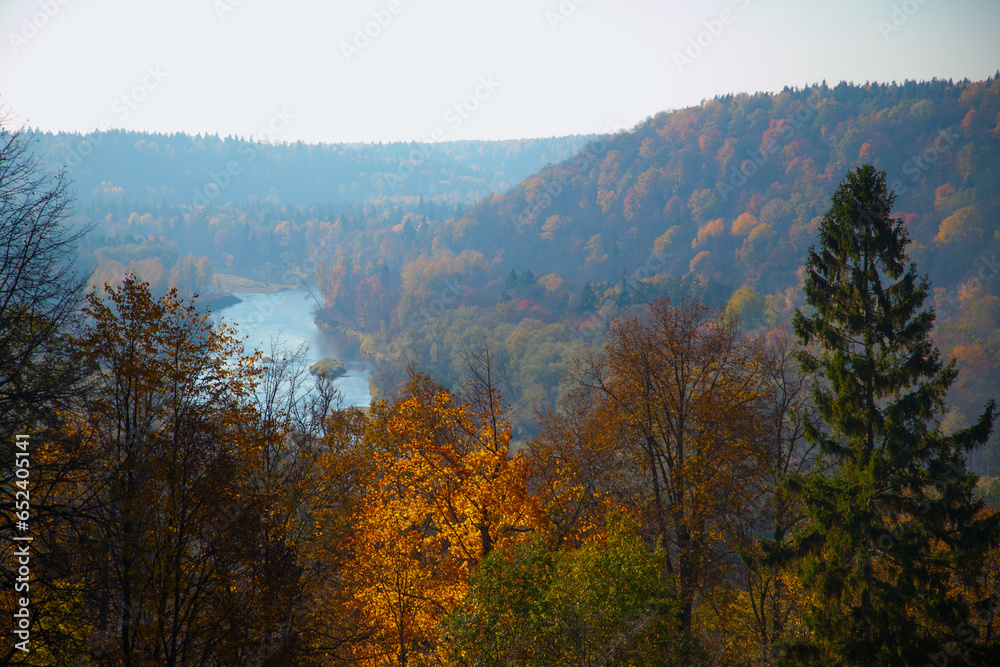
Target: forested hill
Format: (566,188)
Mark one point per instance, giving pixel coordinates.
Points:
(732,189)
(722,200)
(180,169)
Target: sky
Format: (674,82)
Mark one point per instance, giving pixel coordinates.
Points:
(417,70)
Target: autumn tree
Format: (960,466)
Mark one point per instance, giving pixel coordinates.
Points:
(276,467)
(40,289)
(40,292)
(763,609)
(448,492)
(325,626)
(748,307)
(894,532)
(191,275)
(582,467)
(163,416)
(305,469)
(692,391)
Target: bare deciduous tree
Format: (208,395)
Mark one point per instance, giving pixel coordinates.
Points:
(40,288)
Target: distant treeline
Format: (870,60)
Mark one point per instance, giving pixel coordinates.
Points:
(180,169)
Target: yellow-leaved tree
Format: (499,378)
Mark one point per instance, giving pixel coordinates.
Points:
(447,492)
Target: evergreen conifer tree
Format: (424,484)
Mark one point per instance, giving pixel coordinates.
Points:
(894,545)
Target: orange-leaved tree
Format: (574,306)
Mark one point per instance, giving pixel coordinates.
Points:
(582,467)
(447,492)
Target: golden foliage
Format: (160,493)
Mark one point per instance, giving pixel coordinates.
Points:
(712,228)
(551,282)
(447,492)
(743,224)
(699,262)
(962,225)
(553,225)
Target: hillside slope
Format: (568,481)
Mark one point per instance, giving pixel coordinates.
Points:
(717,200)
(732,189)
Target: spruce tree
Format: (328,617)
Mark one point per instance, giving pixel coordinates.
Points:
(894,544)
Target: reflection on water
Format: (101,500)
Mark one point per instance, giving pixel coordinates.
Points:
(287,317)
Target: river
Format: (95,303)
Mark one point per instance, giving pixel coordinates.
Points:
(286,316)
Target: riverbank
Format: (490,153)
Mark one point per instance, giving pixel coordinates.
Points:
(370,345)
(217,301)
(225,282)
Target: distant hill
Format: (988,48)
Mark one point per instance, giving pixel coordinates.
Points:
(723,201)
(732,189)
(179,169)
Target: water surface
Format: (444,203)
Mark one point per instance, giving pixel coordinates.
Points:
(286,316)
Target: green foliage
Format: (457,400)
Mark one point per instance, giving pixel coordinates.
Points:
(748,307)
(604,603)
(893,526)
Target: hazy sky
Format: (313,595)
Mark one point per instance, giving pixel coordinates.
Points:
(389,70)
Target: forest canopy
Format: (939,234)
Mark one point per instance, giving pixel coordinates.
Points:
(683,397)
